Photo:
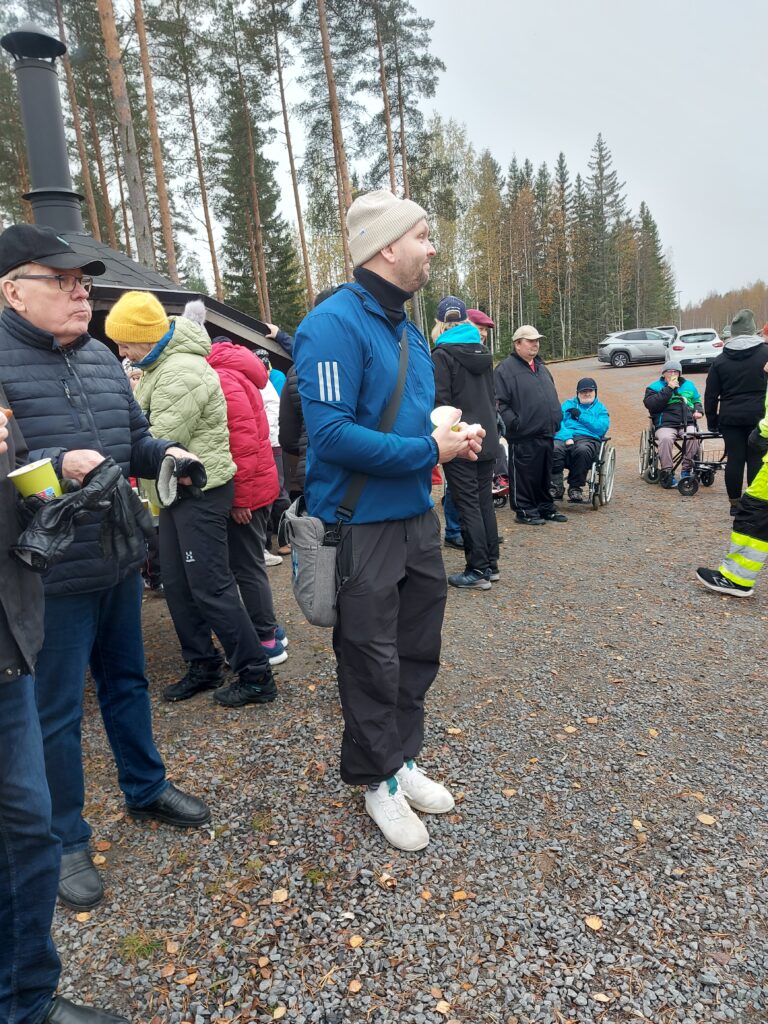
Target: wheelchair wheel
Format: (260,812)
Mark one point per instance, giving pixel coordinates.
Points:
(644,454)
(707,477)
(500,501)
(688,486)
(651,474)
(607,474)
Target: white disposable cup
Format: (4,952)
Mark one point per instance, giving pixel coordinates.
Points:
(445,414)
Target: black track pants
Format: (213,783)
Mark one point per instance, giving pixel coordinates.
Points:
(739,455)
(578,457)
(530,473)
(387,641)
(471,489)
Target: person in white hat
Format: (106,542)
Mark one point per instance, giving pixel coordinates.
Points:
(529,406)
(392,582)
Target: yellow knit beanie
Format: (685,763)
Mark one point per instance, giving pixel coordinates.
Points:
(137,318)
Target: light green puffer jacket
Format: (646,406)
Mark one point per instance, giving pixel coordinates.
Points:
(182,398)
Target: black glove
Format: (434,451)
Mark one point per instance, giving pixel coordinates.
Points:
(168,475)
(52,526)
(127,525)
(574,413)
(756,440)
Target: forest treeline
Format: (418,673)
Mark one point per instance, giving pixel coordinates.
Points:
(171,106)
(718,310)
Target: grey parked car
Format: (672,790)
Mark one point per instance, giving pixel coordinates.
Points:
(643,345)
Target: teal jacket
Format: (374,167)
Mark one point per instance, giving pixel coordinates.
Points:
(592,420)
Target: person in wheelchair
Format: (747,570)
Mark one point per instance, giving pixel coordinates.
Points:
(675,407)
(577,442)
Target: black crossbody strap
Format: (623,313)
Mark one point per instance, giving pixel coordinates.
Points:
(348,503)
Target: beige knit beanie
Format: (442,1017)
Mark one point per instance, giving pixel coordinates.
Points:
(377,219)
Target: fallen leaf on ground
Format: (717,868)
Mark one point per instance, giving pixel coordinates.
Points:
(190,979)
(570,729)
(509,792)
(355,985)
(653,732)
(706,819)
(636,823)
(426,894)
(167,971)
(601,997)
(240,922)
(279,895)
(436,993)
(592,720)
(171,947)
(453,731)
(99,859)
(356,941)
(594,922)
(387,881)
(460,895)
(263,961)
(102,845)
(83,916)
(441,1006)
(279,1012)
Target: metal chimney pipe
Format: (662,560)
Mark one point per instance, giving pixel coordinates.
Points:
(55,204)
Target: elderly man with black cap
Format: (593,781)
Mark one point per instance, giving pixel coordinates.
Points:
(74,405)
(529,406)
(577,442)
(357,356)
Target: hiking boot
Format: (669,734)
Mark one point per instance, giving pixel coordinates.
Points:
(388,807)
(421,792)
(714,580)
(250,687)
(470,579)
(557,487)
(204,674)
(575,494)
(274,651)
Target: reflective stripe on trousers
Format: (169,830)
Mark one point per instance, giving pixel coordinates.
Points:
(744,560)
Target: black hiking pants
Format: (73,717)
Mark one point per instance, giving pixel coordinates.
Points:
(392,592)
(530,475)
(471,489)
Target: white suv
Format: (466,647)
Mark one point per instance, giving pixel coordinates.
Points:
(696,349)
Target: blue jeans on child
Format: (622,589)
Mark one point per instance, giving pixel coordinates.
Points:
(101,629)
(452,524)
(30,856)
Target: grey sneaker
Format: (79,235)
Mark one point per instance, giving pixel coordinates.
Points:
(714,580)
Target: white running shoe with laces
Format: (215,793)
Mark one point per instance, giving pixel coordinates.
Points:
(270,559)
(423,793)
(399,825)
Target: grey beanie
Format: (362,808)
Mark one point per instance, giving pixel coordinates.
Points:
(377,219)
(743,323)
(671,364)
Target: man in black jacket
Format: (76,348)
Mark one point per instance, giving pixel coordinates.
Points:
(30,853)
(74,405)
(529,406)
(734,400)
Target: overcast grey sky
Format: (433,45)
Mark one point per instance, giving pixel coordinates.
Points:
(679,89)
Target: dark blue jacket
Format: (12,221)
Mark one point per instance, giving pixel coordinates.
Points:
(347,354)
(73,398)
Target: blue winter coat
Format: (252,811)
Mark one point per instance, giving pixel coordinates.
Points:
(70,398)
(593,420)
(347,354)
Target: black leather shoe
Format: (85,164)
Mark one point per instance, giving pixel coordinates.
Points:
(535,520)
(554,517)
(64,1012)
(451,543)
(80,885)
(205,674)
(174,808)
(248,688)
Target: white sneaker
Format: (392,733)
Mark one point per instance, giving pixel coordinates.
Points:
(270,559)
(422,792)
(398,823)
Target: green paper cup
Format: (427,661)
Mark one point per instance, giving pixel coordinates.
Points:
(445,414)
(37,478)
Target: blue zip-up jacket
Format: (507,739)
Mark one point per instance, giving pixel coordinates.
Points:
(593,420)
(68,398)
(347,355)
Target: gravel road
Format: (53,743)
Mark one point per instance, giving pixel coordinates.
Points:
(602,722)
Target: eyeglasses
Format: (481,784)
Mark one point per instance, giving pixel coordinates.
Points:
(67,282)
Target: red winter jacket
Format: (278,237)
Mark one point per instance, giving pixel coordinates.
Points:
(242,375)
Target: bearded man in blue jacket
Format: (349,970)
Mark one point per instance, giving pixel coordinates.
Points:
(577,442)
(392,587)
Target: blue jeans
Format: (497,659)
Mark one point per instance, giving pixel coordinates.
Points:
(101,629)
(29,862)
(451,513)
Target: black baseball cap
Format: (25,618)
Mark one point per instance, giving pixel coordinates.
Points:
(27,243)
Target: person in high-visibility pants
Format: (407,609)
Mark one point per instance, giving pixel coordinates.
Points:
(749,539)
